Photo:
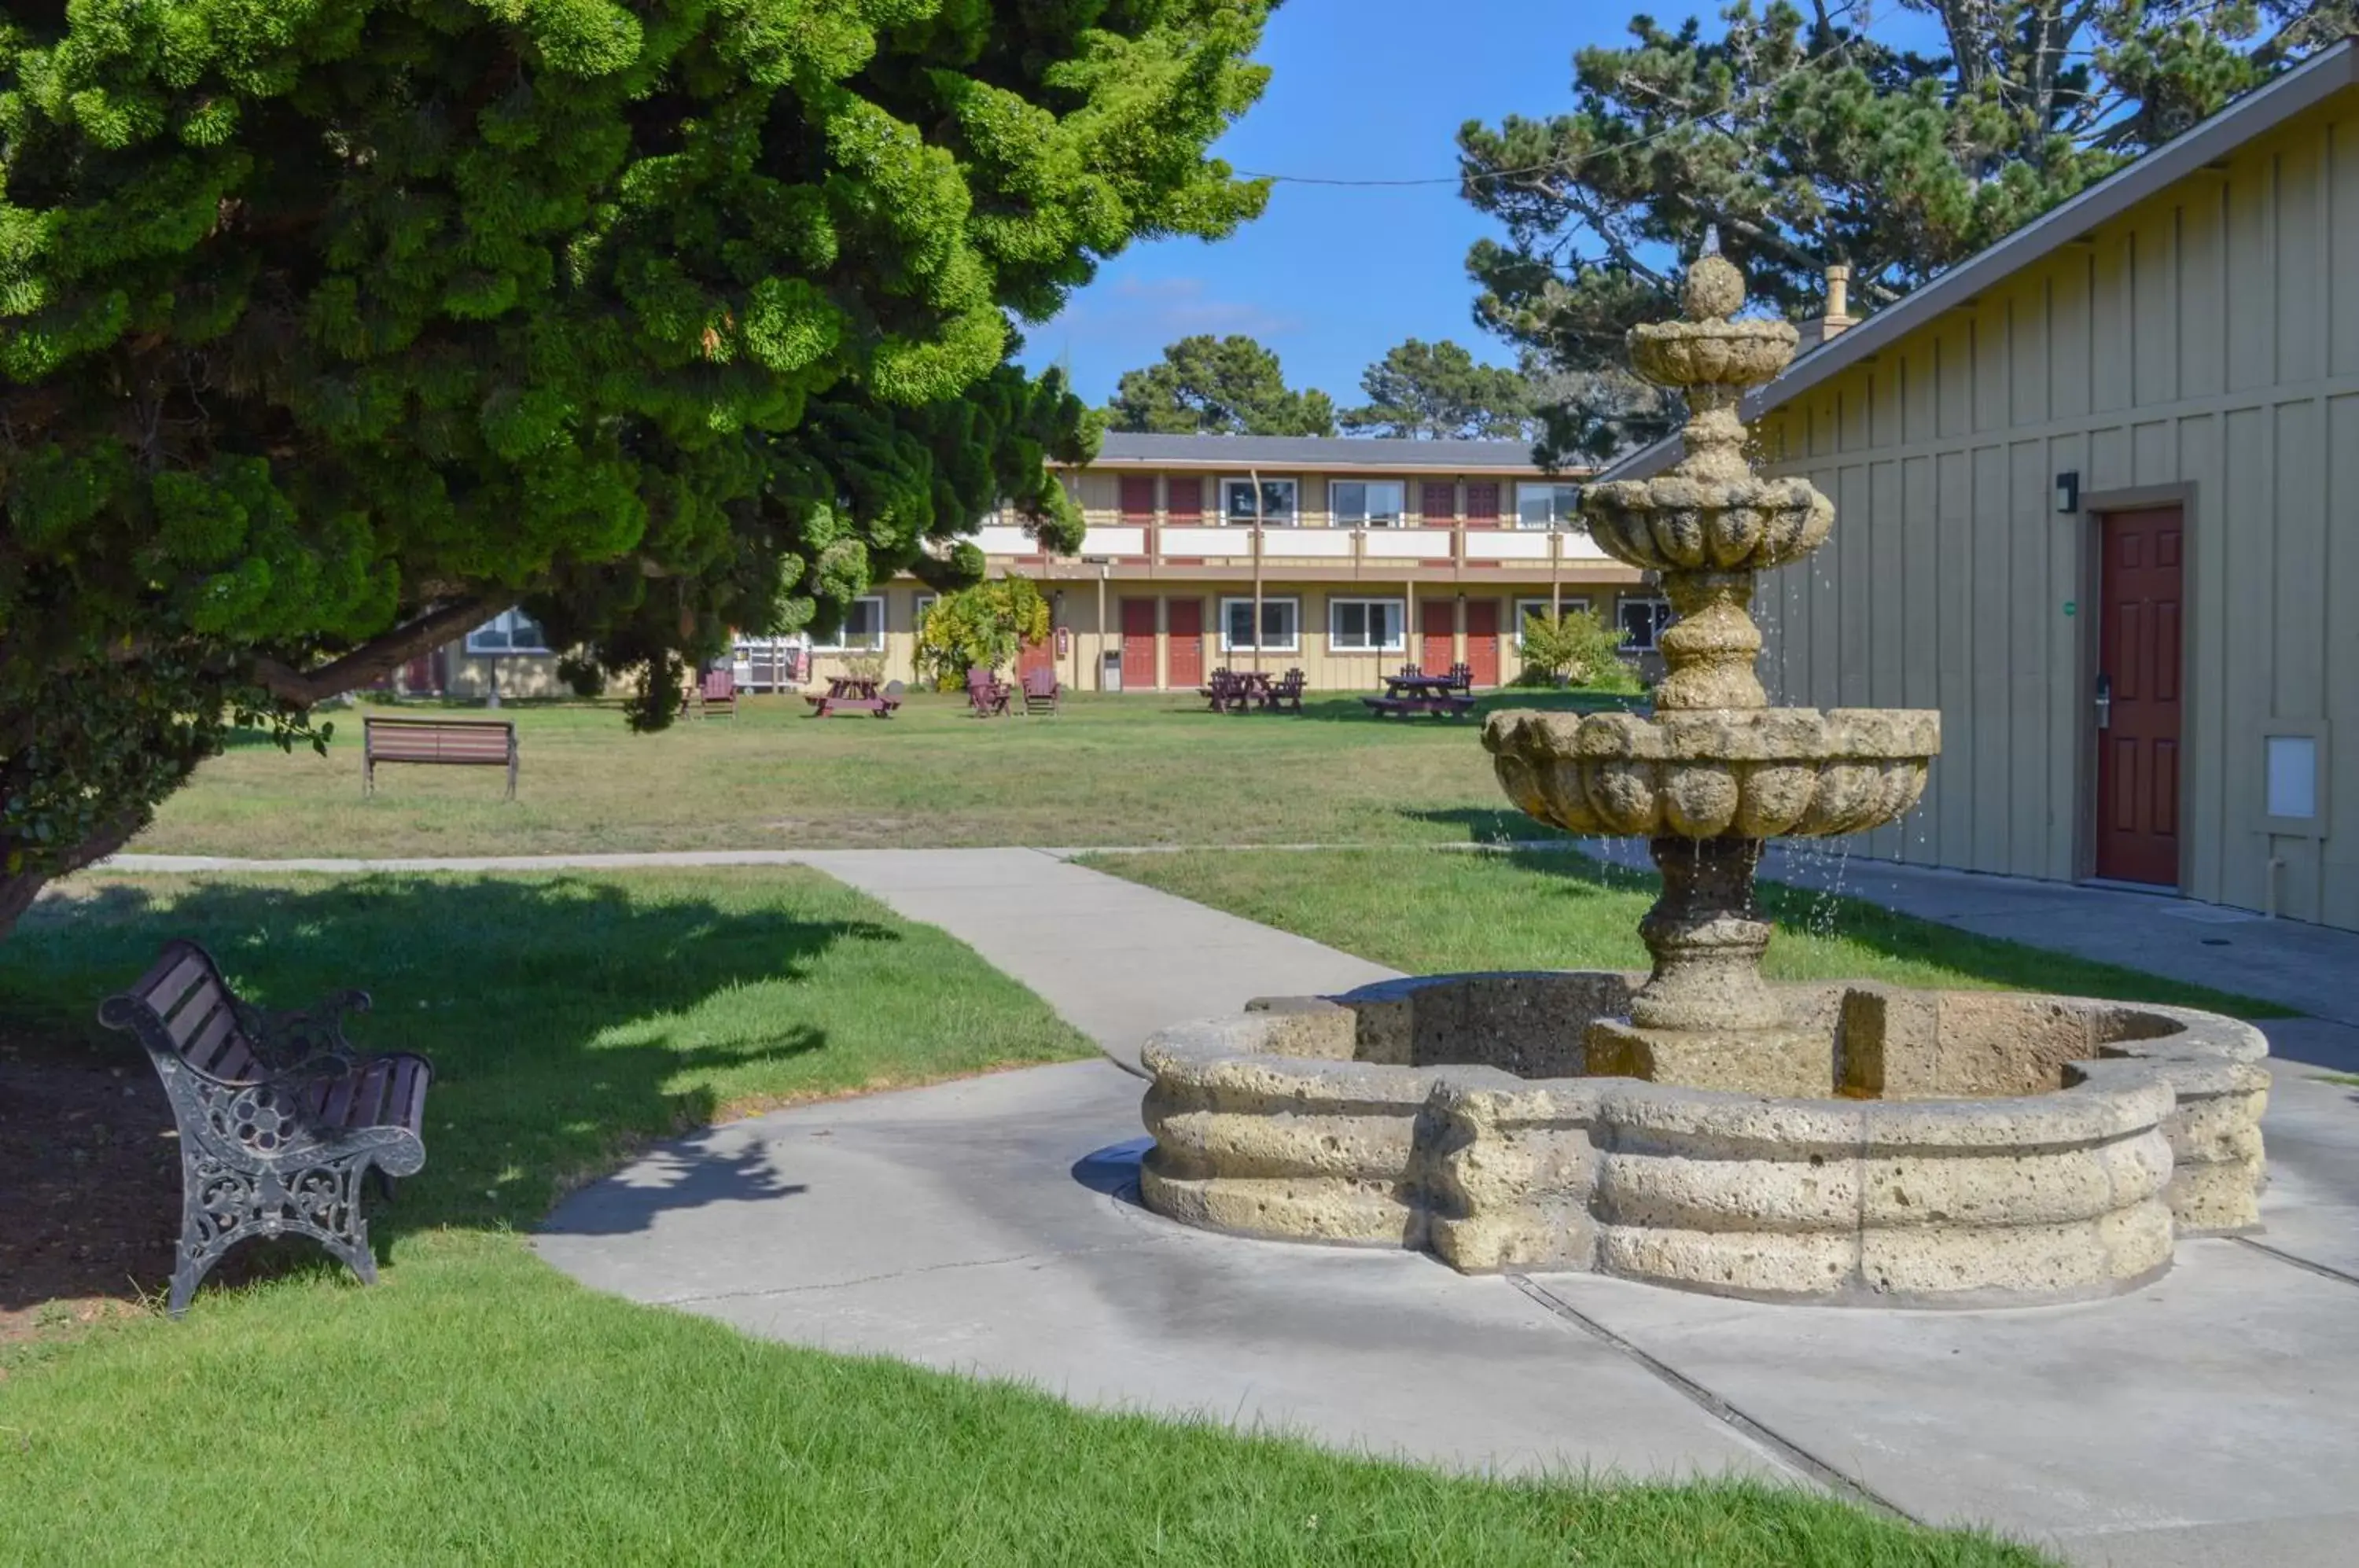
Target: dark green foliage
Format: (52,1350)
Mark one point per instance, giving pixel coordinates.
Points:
(1808,142)
(1205,385)
(1436,390)
(329,328)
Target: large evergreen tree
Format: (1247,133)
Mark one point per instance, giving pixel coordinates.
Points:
(1807,140)
(1218,386)
(1436,391)
(329,328)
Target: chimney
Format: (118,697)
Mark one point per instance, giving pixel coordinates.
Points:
(1838,316)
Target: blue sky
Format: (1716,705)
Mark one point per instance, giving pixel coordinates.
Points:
(1331,277)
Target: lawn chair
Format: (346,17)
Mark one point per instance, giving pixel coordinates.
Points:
(1285,692)
(1463,677)
(1217,688)
(720,694)
(1040,690)
(986,695)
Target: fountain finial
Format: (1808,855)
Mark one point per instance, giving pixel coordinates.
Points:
(1714,288)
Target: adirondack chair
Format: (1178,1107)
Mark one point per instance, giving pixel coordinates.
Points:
(1285,692)
(720,694)
(986,695)
(1217,688)
(1040,691)
(1463,677)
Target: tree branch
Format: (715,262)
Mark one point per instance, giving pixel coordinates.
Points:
(371,659)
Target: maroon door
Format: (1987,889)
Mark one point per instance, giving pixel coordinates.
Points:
(1440,503)
(1483,503)
(1483,641)
(1138,498)
(1438,619)
(2138,675)
(1138,645)
(1185,621)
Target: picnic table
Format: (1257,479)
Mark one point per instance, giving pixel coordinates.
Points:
(849,694)
(1414,692)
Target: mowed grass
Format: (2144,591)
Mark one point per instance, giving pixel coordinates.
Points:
(1427,914)
(477,1407)
(1137,769)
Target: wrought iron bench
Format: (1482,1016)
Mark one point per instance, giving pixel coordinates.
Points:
(279,1120)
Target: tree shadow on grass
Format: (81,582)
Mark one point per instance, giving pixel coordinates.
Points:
(558,1013)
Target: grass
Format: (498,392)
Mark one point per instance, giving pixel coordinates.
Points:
(478,1407)
(1428,913)
(1115,770)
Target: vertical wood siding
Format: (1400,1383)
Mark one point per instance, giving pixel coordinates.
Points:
(2208,337)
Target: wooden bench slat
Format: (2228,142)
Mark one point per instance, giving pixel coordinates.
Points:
(406,1099)
(339,1103)
(368,1098)
(201,1052)
(203,1002)
(175,984)
(236,1064)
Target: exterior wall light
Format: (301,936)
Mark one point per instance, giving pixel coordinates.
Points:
(2068,491)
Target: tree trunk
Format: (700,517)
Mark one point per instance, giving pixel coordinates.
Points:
(18,890)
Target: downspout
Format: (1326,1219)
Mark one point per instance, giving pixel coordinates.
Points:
(1254,475)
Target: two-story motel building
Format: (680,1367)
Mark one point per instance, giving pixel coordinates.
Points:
(1344,557)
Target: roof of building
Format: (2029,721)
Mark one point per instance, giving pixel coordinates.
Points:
(2255,114)
(1315,453)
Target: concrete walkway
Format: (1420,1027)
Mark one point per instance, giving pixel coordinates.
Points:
(990,1227)
(1117,960)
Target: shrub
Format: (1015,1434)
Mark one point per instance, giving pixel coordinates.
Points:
(980,628)
(1576,648)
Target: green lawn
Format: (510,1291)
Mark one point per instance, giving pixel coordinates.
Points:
(1140,769)
(1433,913)
(477,1407)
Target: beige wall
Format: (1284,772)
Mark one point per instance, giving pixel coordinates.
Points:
(2207,339)
(1099,490)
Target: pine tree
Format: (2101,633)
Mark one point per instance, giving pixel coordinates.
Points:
(1436,391)
(1224,387)
(331,328)
(1806,140)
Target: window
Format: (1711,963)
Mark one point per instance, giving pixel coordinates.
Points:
(1366,503)
(1277,501)
(1527,608)
(863,630)
(1643,621)
(1547,506)
(1366,625)
(510,631)
(1280,619)
(925,602)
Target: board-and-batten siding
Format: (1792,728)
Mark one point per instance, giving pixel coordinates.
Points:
(2209,337)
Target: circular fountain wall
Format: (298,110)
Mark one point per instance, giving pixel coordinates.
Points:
(1973,1148)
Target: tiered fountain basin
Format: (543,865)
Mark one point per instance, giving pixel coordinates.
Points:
(1704,773)
(1974,1148)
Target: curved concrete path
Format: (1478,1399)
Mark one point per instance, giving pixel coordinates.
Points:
(1117,960)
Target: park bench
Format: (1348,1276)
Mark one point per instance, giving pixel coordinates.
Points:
(1439,706)
(481,743)
(280,1121)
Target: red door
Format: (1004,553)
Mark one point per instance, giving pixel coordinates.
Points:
(1438,619)
(1185,619)
(2137,670)
(1483,641)
(1138,644)
(1440,503)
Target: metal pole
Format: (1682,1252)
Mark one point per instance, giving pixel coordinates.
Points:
(1254,474)
(1104,572)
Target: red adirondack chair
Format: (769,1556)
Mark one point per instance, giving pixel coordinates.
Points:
(1040,691)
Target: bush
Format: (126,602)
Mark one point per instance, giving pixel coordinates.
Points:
(1577,647)
(980,628)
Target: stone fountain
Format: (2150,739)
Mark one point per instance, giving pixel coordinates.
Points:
(1698,1126)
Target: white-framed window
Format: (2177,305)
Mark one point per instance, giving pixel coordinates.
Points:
(1643,621)
(1366,625)
(1543,504)
(1527,608)
(1367,503)
(1281,626)
(510,631)
(1277,501)
(863,630)
(924,603)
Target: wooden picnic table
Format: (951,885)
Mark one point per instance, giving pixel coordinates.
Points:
(846,694)
(1412,692)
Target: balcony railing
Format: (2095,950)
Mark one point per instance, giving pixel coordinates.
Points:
(1214,544)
